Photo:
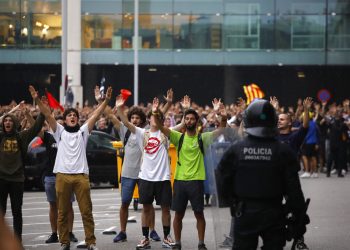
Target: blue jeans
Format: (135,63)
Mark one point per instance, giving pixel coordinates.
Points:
(128,187)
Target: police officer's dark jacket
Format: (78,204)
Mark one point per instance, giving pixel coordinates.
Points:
(259,169)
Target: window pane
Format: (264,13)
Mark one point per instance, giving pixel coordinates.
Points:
(242,32)
(9,6)
(339,32)
(339,6)
(249,7)
(10,30)
(308,32)
(300,6)
(155,31)
(45,31)
(197,31)
(51,6)
(101,31)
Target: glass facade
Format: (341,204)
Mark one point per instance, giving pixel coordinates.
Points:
(28,24)
(176,25)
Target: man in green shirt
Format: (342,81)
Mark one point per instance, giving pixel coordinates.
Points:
(190,170)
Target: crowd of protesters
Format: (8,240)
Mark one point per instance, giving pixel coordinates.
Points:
(318,132)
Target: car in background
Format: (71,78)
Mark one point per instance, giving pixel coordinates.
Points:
(101,156)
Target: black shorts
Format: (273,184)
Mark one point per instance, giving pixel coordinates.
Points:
(309,150)
(185,191)
(158,190)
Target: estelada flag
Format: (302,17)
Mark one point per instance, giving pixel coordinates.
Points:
(253,91)
(53,103)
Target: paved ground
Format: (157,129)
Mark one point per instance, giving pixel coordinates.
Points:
(329,212)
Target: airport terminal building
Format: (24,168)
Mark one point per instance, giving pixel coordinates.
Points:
(204,48)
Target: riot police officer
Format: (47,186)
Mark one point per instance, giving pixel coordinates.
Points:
(254,176)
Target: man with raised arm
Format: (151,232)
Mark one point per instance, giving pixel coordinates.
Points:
(190,170)
(154,175)
(71,168)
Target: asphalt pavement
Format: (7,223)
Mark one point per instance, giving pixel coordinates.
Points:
(329,213)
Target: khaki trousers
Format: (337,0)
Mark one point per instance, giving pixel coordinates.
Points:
(80,185)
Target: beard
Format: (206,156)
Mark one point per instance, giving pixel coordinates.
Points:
(191,127)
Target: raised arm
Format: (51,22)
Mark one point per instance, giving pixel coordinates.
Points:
(155,114)
(43,108)
(119,102)
(111,116)
(306,117)
(169,100)
(92,120)
(223,120)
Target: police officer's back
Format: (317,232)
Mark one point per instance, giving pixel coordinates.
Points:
(254,176)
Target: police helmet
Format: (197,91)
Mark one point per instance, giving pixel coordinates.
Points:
(260,119)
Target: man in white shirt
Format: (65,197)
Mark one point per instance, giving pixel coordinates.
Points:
(71,168)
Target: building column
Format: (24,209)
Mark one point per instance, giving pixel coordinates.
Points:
(71,49)
(232,84)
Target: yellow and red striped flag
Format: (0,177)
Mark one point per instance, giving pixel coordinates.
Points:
(252,91)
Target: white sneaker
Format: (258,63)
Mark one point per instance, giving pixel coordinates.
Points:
(343,172)
(314,175)
(334,171)
(305,175)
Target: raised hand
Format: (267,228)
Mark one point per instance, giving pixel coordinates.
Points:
(119,101)
(33,92)
(155,104)
(98,96)
(109,93)
(186,102)
(169,96)
(216,105)
(274,102)
(307,103)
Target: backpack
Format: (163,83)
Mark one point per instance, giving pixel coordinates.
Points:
(181,140)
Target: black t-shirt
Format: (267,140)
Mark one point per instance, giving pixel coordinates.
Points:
(51,151)
(294,139)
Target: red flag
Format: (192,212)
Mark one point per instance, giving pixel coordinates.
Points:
(53,103)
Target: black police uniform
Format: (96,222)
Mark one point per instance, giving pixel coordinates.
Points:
(253,177)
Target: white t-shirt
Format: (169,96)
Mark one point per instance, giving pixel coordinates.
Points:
(155,160)
(71,150)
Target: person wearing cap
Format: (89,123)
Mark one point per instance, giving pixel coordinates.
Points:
(253,177)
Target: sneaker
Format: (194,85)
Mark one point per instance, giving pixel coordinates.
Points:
(228,242)
(154,236)
(334,171)
(314,175)
(65,247)
(121,237)
(202,247)
(343,172)
(305,175)
(53,238)
(176,246)
(72,237)
(144,244)
(168,242)
(92,247)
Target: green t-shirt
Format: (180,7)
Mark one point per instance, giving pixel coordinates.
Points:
(190,157)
